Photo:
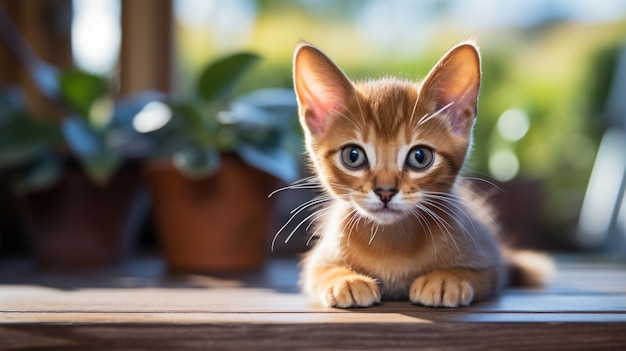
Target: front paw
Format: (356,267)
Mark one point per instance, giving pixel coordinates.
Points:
(352,291)
(441,289)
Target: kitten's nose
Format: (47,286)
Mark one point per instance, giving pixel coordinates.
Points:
(386,194)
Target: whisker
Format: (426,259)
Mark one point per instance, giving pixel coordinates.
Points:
(316,213)
(456,202)
(428,117)
(297,210)
(426,228)
(349,117)
(440,205)
(312,202)
(304,183)
(469,180)
(310,238)
(374,231)
(445,228)
(352,223)
(472,206)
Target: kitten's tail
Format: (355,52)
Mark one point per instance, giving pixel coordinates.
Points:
(529,268)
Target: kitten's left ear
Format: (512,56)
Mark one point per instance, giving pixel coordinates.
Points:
(455,81)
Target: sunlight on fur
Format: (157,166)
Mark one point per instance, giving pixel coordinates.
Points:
(395,218)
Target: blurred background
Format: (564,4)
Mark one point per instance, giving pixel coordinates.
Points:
(549,137)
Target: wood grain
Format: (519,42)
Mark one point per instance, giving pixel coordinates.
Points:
(140,306)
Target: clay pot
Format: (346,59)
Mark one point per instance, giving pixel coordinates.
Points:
(218,224)
(78,224)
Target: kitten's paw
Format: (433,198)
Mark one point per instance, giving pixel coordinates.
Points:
(352,291)
(441,289)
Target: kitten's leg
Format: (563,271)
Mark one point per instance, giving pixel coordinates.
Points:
(454,287)
(342,287)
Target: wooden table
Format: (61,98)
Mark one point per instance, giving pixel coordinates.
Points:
(139,307)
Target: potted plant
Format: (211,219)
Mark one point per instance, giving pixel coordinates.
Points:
(23,159)
(77,188)
(215,159)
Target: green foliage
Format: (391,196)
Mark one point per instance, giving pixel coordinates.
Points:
(256,126)
(20,136)
(217,81)
(25,144)
(96,132)
(80,90)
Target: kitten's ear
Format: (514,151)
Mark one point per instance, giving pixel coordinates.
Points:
(455,81)
(321,88)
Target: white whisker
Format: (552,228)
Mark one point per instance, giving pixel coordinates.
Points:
(467,180)
(445,229)
(304,183)
(374,230)
(314,214)
(428,117)
(312,202)
(352,223)
(424,223)
(441,205)
(296,211)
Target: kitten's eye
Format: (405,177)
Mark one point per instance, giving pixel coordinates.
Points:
(420,158)
(353,157)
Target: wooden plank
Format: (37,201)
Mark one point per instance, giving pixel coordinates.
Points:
(280,274)
(350,317)
(245,300)
(297,336)
(140,306)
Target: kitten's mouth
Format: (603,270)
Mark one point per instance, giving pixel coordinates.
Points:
(386,215)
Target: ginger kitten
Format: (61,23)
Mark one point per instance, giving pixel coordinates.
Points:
(398,221)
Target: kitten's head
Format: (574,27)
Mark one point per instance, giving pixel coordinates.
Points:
(384,146)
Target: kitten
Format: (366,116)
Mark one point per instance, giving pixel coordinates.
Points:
(399,222)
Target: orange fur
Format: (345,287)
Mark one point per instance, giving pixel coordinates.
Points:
(398,224)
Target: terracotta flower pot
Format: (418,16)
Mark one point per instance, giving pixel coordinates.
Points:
(78,224)
(217,224)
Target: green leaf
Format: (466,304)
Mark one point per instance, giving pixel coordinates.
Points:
(99,162)
(80,90)
(194,122)
(218,79)
(187,114)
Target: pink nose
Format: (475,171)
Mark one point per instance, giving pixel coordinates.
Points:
(385,194)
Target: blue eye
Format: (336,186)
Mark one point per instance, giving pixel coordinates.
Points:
(420,158)
(353,157)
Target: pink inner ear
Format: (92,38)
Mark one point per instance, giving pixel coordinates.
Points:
(316,115)
(456,79)
(461,119)
(321,87)
(463,110)
(320,102)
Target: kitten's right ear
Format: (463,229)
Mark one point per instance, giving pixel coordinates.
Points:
(454,83)
(321,88)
